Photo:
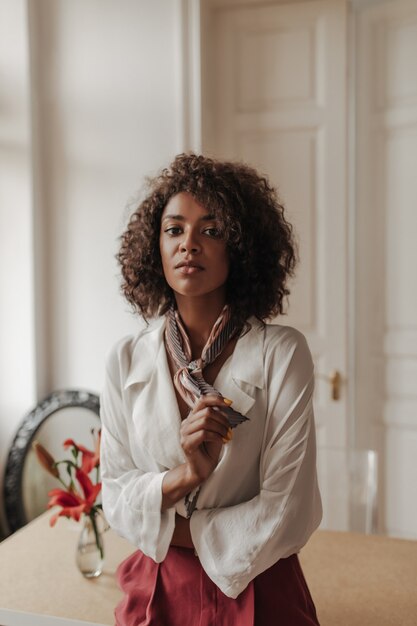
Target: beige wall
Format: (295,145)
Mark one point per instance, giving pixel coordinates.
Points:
(95,86)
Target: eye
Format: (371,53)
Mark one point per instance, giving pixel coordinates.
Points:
(212,231)
(173,230)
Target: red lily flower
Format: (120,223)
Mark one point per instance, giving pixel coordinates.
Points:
(73,505)
(90,491)
(90,459)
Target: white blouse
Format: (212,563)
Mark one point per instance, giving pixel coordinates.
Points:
(262,501)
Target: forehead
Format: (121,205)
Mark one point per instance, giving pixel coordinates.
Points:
(184,205)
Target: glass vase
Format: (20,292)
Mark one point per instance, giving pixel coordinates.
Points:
(90,548)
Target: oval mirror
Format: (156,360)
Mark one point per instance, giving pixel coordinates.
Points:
(68,414)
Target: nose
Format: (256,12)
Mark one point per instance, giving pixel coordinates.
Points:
(189,243)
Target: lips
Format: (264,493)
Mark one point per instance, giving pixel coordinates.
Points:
(187,264)
(188,268)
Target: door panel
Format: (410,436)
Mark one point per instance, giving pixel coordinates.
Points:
(274,95)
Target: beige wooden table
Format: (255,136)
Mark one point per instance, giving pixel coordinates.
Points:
(39,577)
(355,580)
(362,580)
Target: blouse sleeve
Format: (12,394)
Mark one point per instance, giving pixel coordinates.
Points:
(132,497)
(237,543)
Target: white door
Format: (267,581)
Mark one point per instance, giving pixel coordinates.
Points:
(274,95)
(386,35)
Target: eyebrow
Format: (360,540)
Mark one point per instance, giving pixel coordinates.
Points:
(181,218)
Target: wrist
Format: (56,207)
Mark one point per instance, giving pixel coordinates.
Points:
(192,478)
(177,483)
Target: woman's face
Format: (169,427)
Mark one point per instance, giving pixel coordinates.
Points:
(193,251)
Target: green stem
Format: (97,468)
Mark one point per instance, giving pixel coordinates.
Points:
(62,482)
(67,462)
(67,487)
(96,534)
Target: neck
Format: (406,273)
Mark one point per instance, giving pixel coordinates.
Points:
(198,317)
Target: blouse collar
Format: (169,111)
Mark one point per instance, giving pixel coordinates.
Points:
(246,365)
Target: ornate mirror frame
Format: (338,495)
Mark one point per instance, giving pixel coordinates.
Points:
(13,488)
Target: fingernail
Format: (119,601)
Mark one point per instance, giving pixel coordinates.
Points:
(229,436)
(227,401)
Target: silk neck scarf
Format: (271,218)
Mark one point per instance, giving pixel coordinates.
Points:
(189,379)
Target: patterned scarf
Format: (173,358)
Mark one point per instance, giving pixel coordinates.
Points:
(189,379)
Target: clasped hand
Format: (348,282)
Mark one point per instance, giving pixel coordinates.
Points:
(203,434)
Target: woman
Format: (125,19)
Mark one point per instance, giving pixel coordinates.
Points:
(208,441)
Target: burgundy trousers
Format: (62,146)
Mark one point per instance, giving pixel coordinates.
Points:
(178,592)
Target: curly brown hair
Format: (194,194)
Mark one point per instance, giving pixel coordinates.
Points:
(260,241)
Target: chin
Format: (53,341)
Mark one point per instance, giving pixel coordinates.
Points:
(198,291)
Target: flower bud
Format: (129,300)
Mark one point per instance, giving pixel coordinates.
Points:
(45,459)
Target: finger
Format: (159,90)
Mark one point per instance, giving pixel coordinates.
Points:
(229,436)
(214,411)
(211,400)
(205,423)
(205,417)
(192,442)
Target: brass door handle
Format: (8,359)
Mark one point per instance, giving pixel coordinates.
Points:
(335,380)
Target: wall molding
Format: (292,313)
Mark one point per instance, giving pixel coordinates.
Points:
(188,44)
